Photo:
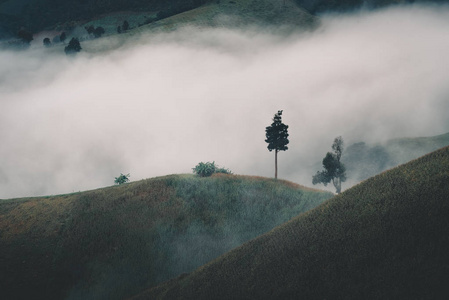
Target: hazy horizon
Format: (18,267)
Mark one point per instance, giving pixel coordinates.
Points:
(160,104)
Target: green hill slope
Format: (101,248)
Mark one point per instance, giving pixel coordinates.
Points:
(114,242)
(363,161)
(238,13)
(42,15)
(386,238)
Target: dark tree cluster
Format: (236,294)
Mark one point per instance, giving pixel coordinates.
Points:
(96,32)
(124,27)
(334,169)
(73,47)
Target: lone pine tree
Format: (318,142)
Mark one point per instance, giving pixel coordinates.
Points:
(277,138)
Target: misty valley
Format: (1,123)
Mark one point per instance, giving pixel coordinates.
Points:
(195,149)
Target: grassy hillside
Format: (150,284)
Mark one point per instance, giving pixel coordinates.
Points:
(386,238)
(241,12)
(114,242)
(36,15)
(66,15)
(229,14)
(363,161)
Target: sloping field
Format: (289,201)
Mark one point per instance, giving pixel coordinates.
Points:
(113,242)
(386,238)
(239,13)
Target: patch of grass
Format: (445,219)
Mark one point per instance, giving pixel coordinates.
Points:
(386,238)
(114,242)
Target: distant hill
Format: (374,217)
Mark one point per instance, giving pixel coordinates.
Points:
(113,242)
(38,15)
(363,160)
(239,13)
(386,238)
(323,6)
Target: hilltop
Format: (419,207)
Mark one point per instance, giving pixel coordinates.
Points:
(114,242)
(386,238)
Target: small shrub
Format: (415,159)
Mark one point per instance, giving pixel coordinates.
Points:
(90,29)
(121,179)
(204,169)
(223,171)
(207,169)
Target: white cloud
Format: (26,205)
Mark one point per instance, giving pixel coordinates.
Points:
(163,103)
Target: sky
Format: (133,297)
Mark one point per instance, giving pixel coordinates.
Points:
(159,104)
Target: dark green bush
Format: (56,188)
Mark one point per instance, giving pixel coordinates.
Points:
(121,179)
(207,169)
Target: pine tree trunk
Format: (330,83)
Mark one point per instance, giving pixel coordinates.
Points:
(275,164)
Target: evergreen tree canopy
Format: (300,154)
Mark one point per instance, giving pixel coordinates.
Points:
(334,169)
(277,138)
(73,46)
(277,134)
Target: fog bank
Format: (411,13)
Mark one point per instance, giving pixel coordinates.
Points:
(163,103)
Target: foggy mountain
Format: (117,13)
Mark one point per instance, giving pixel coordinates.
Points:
(158,103)
(38,15)
(202,85)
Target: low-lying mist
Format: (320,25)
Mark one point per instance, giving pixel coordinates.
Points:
(162,103)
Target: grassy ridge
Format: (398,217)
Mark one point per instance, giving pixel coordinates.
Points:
(114,242)
(41,14)
(386,238)
(240,13)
